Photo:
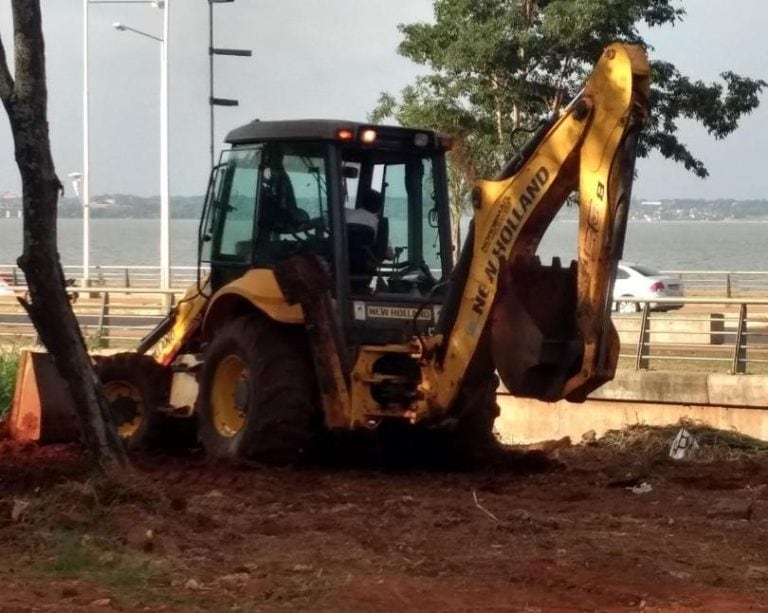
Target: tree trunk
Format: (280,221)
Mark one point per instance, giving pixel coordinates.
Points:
(497,109)
(25,99)
(461,179)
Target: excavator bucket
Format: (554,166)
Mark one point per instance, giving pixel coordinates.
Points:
(535,338)
(551,329)
(42,409)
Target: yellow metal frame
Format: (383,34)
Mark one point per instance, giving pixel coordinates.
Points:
(578,151)
(187,318)
(363,410)
(258,287)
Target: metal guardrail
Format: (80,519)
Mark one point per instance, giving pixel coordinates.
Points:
(732,336)
(727,283)
(116,317)
(706,335)
(111,276)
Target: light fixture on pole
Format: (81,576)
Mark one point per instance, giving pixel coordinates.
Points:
(85,194)
(121,27)
(212,100)
(85,178)
(165,235)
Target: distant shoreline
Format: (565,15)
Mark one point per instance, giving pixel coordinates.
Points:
(675,245)
(99,220)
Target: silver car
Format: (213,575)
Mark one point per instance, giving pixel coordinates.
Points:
(636,281)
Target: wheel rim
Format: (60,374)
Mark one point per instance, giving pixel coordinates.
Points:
(229,396)
(127,405)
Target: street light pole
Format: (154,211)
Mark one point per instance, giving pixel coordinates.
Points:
(165,190)
(85,192)
(210,76)
(213,101)
(165,208)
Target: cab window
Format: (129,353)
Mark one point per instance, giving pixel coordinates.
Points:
(230,211)
(268,202)
(293,202)
(404,254)
(409,202)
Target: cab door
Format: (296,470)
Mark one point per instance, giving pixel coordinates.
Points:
(270,202)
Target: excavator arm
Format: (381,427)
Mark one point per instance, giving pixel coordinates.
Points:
(548,329)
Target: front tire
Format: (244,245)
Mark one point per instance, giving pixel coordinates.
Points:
(258,394)
(476,411)
(135,385)
(471,441)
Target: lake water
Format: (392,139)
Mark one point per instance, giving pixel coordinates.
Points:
(681,245)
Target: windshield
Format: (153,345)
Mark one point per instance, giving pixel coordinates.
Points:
(229,215)
(269,201)
(393,195)
(409,198)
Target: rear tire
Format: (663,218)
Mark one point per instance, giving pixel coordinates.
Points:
(476,411)
(135,385)
(464,440)
(470,440)
(258,394)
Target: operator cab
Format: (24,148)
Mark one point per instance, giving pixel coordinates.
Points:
(370,200)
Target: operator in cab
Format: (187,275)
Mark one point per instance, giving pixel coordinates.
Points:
(368,215)
(369,211)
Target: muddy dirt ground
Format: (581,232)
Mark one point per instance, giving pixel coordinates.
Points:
(564,528)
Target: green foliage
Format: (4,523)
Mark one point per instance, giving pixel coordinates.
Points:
(499,66)
(127,574)
(9,362)
(72,556)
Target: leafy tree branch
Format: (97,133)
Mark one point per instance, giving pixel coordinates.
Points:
(497,67)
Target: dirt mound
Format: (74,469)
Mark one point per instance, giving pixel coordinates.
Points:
(655,441)
(563,527)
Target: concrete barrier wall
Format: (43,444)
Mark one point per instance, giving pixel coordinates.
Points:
(648,397)
(706,329)
(673,387)
(524,421)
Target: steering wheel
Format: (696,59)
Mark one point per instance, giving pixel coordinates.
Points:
(417,275)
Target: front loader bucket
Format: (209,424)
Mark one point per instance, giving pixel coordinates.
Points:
(534,336)
(42,410)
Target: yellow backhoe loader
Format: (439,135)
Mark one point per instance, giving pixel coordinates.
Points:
(331,300)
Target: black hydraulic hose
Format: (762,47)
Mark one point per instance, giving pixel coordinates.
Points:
(157,333)
(521,157)
(456,284)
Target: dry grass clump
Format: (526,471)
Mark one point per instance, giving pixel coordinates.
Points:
(655,441)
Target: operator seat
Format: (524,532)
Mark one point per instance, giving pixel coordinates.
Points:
(381,245)
(366,250)
(279,211)
(279,215)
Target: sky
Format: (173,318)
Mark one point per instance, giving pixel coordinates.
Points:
(323,58)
